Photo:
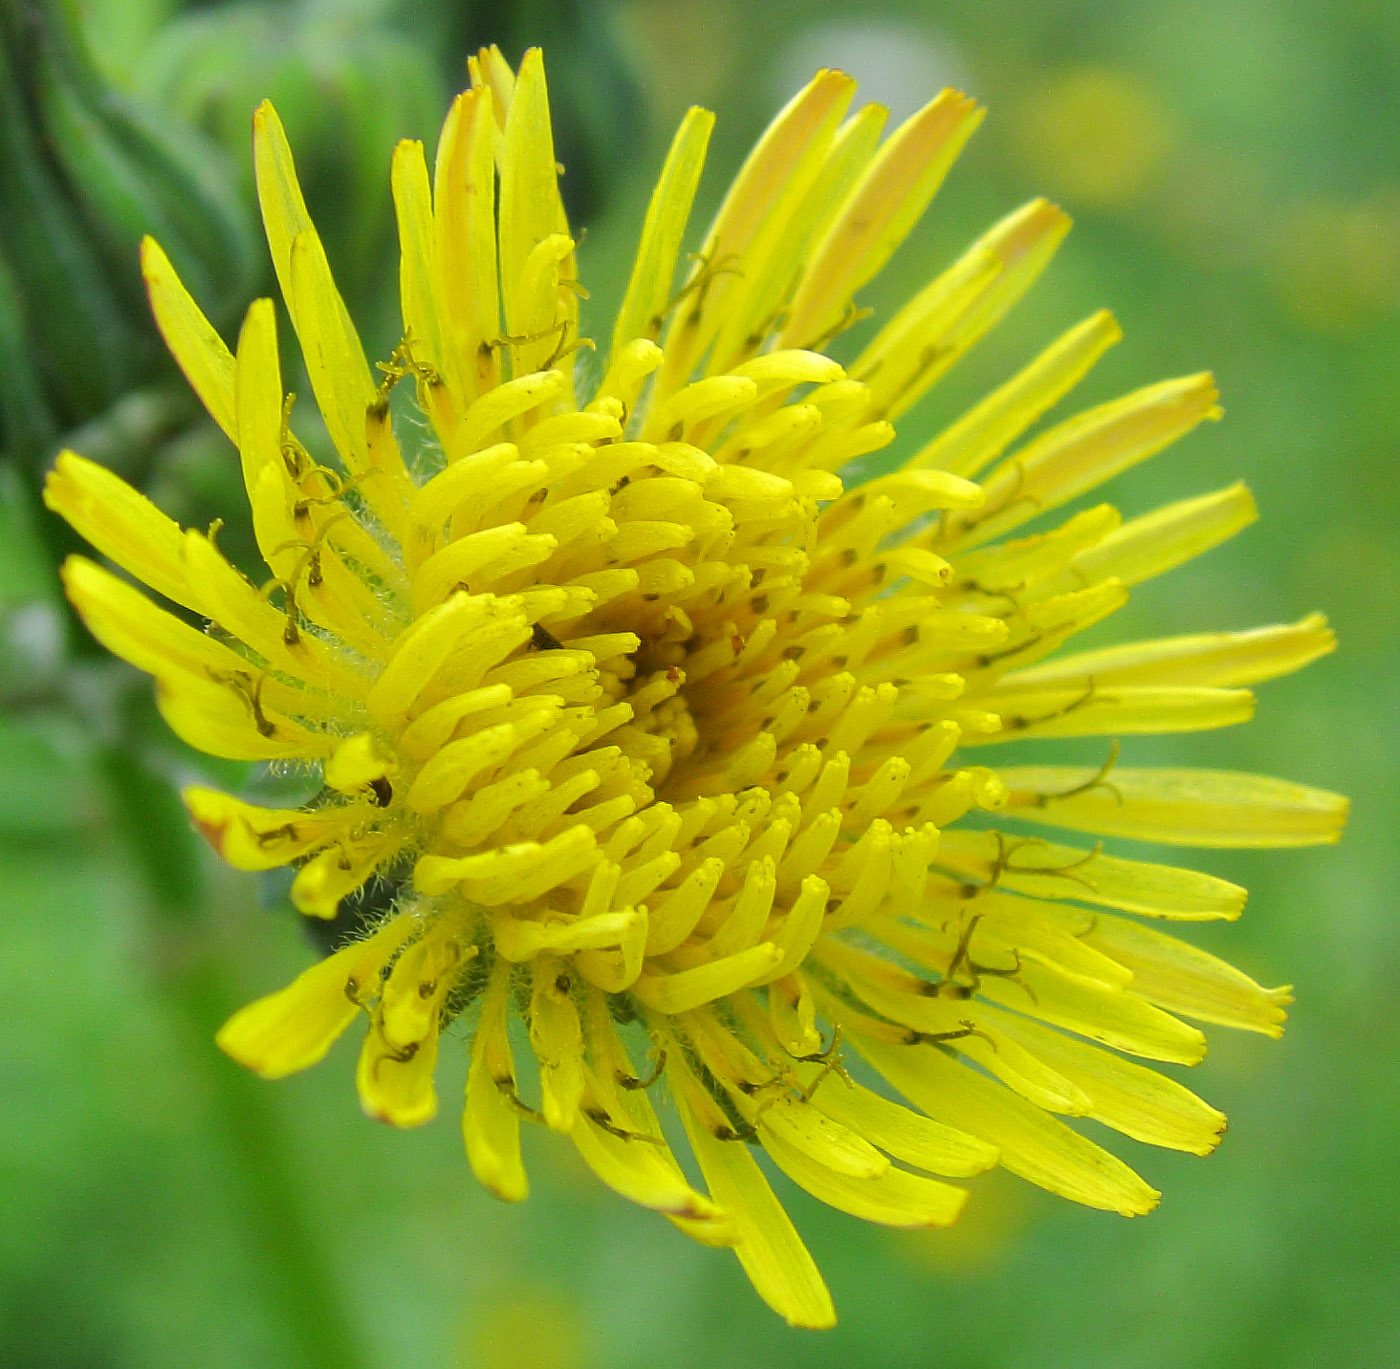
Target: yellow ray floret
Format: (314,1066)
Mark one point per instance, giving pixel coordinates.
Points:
(634,740)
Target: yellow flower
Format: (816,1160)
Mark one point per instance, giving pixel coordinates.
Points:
(650,741)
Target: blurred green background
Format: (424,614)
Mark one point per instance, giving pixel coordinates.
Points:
(1233,169)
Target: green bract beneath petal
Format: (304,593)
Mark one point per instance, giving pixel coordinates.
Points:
(655,738)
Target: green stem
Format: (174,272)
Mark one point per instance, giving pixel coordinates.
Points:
(297,1279)
(298,1282)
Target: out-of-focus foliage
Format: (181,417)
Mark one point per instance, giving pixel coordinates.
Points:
(1233,172)
(347,82)
(84,172)
(351,77)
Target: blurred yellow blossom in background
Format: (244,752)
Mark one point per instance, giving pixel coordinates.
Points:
(1096,135)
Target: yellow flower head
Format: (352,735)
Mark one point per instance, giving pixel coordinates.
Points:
(651,741)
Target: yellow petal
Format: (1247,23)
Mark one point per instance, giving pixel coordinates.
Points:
(1183,979)
(202,354)
(766,1243)
(214,698)
(638,1163)
(635,1163)
(557,1038)
(1032,1143)
(1051,933)
(295,1027)
(1122,1019)
(472,481)
(792,1017)
(1030,561)
(674,915)
(893,1198)
(445,776)
(327,878)
(531,213)
(782,165)
(421,651)
(879,212)
(234,606)
(1043,870)
(1207,658)
(939,325)
(649,290)
(464,205)
(1086,450)
(1111,1014)
(421,287)
(916,338)
(490,1122)
(633,1169)
(511,874)
(489,70)
(395,1083)
(335,361)
(907,1135)
(1131,1098)
(1160,541)
(121,523)
(1112,710)
(1004,1058)
(279,192)
(982,434)
(771,264)
(687,989)
(259,397)
(331,348)
(823,1140)
(357,764)
(1182,807)
(220,720)
(1043,628)
(800,928)
(251,837)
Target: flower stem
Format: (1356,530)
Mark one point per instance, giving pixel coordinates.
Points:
(296,1278)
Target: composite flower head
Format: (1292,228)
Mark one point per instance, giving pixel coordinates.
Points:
(658,761)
